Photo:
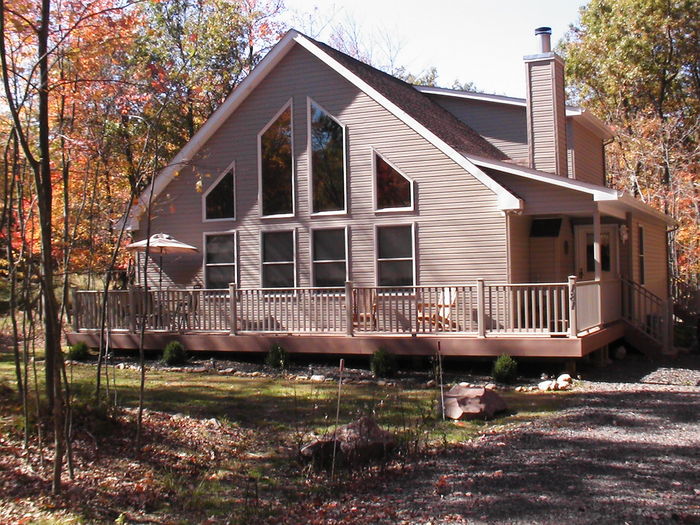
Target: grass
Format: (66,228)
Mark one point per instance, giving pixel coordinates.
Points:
(275,416)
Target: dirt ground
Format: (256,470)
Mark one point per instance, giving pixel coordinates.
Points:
(625,450)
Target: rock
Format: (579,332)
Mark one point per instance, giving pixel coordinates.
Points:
(196,369)
(302,378)
(318,378)
(562,385)
(227,371)
(431,383)
(544,386)
(620,353)
(213,422)
(564,378)
(491,386)
(256,374)
(464,384)
(381,382)
(355,443)
(472,403)
(519,388)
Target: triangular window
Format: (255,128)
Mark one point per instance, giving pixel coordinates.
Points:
(219,200)
(394,190)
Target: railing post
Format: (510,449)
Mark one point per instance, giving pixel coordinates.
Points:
(573,330)
(480,308)
(74,308)
(132,309)
(349,308)
(233,325)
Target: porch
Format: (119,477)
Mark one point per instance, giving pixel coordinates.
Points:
(565,320)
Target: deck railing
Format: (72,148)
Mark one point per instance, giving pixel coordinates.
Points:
(647,311)
(478,309)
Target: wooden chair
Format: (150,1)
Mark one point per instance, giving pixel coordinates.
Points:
(364,314)
(438,314)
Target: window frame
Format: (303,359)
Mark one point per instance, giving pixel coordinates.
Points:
(375,188)
(641,255)
(414,258)
(283,229)
(289,104)
(312,255)
(230,168)
(235,264)
(309,156)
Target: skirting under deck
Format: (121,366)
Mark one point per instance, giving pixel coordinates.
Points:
(450,345)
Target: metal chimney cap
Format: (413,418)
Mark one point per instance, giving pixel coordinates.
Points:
(544,30)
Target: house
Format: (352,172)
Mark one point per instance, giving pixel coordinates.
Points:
(338,209)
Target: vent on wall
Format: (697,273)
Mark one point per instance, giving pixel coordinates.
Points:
(545,227)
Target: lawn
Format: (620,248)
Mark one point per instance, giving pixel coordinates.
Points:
(219,447)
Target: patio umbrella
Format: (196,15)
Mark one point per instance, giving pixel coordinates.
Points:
(161,243)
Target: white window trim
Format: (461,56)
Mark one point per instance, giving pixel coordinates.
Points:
(232,168)
(344,211)
(411,182)
(289,104)
(294,256)
(235,254)
(313,261)
(414,259)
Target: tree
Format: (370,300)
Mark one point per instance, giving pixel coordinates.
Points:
(636,63)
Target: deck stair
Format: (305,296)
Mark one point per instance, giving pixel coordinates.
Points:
(648,320)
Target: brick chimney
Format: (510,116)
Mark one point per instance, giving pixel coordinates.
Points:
(546,109)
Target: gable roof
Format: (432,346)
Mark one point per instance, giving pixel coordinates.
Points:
(424,116)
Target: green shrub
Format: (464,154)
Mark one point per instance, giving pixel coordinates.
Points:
(78,352)
(505,369)
(277,357)
(174,353)
(382,363)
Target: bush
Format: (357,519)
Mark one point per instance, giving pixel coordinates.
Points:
(277,357)
(78,352)
(174,353)
(505,369)
(382,363)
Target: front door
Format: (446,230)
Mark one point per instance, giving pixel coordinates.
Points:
(585,264)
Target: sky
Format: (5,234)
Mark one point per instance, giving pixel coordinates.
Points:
(467,40)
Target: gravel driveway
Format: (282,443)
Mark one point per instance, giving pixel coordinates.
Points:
(625,450)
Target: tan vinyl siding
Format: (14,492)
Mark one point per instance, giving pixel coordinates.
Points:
(461,234)
(655,264)
(587,155)
(519,245)
(547,116)
(502,125)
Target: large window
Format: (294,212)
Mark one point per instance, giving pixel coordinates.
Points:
(394,191)
(327,161)
(604,252)
(276,173)
(278,259)
(220,260)
(395,258)
(329,257)
(219,199)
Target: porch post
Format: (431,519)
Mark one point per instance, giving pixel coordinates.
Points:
(132,309)
(349,308)
(233,328)
(480,308)
(573,330)
(597,257)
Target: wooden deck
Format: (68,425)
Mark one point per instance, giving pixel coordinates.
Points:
(564,320)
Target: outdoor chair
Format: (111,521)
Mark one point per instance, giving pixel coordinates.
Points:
(436,316)
(364,314)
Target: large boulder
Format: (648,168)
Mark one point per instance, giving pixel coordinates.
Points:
(355,443)
(472,403)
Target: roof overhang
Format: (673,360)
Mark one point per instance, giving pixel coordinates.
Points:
(611,201)
(506,200)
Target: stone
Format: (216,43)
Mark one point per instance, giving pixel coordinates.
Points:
(490,386)
(355,443)
(472,403)
(464,384)
(318,378)
(431,383)
(381,382)
(564,378)
(544,386)
(519,388)
(620,353)
(256,374)
(302,378)
(227,371)
(562,385)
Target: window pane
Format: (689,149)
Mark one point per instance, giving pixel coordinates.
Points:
(220,276)
(219,249)
(327,162)
(604,252)
(220,199)
(278,276)
(396,273)
(278,246)
(329,245)
(393,189)
(329,274)
(276,165)
(395,242)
